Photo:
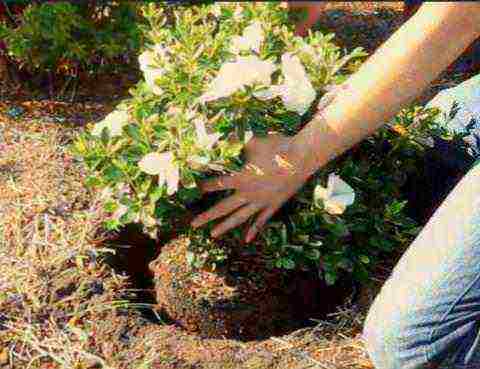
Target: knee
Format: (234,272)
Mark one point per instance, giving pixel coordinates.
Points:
(391,339)
(379,339)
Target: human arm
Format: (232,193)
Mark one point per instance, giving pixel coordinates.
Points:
(314,10)
(398,72)
(392,77)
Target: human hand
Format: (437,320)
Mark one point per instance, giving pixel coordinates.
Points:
(272,174)
(314,10)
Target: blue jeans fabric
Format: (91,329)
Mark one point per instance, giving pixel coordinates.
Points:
(427,314)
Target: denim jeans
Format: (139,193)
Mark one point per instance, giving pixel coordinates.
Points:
(427,314)
(428,311)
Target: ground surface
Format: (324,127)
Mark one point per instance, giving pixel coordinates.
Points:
(61,306)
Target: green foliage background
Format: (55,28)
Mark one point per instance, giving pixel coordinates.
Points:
(65,37)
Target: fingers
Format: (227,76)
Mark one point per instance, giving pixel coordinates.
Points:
(221,209)
(234,220)
(259,223)
(218,184)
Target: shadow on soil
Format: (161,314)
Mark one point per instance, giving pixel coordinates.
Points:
(133,252)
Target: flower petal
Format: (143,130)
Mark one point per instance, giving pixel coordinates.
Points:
(172,175)
(146,60)
(113,121)
(232,76)
(204,139)
(321,193)
(267,94)
(151,76)
(98,128)
(336,196)
(251,39)
(248,137)
(156,163)
(341,191)
(334,208)
(299,93)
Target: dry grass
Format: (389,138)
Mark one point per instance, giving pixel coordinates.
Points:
(52,281)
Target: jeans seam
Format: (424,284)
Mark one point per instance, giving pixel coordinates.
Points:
(434,329)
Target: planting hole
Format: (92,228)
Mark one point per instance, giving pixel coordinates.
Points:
(259,303)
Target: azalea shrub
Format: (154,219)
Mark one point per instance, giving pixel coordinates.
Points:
(214,76)
(67,37)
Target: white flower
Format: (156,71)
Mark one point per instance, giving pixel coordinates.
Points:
(162,164)
(150,77)
(204,139)
(296,92)
(232,76)
(113,121)
(148,66)
(336,196)
(251,39)
(146,60)
(248,137)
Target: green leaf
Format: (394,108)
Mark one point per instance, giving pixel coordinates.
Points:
(156,194)
(364,259)
(112,225)
(110,206)
(105,136)
(288,263)
(93,181)
(133,131)
(312,254)
(330,278)
(188,195)
(396,207)
(112,174)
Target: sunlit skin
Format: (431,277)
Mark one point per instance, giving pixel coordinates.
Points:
(387,82)
(314,10)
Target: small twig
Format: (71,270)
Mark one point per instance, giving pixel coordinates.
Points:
(74,90)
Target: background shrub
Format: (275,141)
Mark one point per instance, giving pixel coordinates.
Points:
(62,38)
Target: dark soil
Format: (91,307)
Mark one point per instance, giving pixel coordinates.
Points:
(242,300)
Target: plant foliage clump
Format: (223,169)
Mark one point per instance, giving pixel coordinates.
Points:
(64,37)
(214,76)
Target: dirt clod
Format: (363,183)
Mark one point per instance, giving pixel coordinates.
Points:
(243,300)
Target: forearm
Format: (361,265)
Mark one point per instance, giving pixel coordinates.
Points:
(398,72)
